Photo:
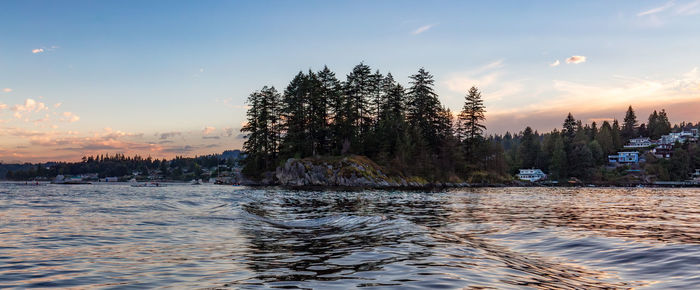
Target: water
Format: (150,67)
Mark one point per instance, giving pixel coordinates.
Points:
(111,236)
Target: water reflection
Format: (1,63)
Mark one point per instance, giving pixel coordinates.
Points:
(208,236)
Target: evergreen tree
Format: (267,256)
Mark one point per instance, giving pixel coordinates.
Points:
(559,165)
(569,129)
(471,122)
(529,149)
(340,129)
(604,138)
(424,109)
(294,113)
(616,135)
(359,86)
(629,125)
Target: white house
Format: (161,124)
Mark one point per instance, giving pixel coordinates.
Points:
(641,142)
(624,157)
(531,175)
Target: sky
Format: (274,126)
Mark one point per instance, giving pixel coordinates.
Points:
(167,78)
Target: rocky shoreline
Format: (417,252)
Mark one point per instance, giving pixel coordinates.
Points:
(358,173)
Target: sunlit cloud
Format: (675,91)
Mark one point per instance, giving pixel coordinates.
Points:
(70,117)
(576,59)
(208,130)
(37,50)
(57,105)
(591,99)
(6,90)
(555,63)
(422,29)
(656,10)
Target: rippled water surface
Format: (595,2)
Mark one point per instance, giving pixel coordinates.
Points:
(90,236)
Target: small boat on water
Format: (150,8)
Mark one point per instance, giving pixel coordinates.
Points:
(197,182)
(60,179)
(148,184)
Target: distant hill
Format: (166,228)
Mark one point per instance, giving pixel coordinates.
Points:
(4,168)
(232,154)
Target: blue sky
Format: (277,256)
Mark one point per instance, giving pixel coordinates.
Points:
(171,77)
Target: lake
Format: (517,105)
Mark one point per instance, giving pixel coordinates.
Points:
(114,235)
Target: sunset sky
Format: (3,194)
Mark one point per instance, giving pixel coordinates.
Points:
(165,78)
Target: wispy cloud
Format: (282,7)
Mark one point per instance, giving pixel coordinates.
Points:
(555,63)
(576,59)
(656,10)
(168,135)
(7,90)
(691,8)
(488,78)
(422,29)
(37,50)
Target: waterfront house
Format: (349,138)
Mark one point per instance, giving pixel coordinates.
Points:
(531,175)
(641,142)
(627,157)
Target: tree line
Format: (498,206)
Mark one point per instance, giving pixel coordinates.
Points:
(408,131)
(119,165)
(580,150)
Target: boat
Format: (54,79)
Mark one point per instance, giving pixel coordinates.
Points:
(197,182)
(60,179)
(148,184)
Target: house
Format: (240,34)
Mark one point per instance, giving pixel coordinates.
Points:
(626,157)
(531,175)
(111,179)
(641,142)
(696,175)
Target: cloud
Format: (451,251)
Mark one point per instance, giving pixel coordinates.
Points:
(179,149)
(6,90)
(208,130)
(167,135)
(555,63)
(593,100)
(422,29)
(228,132)
(57,105)
(691,8)
(211,137)
(488,78)
(576,59)
(70,117)
(37,50)
(656,10)
(29,106)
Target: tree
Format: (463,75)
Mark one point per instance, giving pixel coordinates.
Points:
(529,149)
(616,135)
(424,109)
(472,116)
(604,138)
(569,129)
(262,128)
(629,125)
(358,89)
(558,167)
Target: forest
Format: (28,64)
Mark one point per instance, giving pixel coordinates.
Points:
(407,131)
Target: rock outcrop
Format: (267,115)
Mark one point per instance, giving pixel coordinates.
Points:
(352,171)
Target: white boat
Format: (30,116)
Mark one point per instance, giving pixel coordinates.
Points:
(197,182)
